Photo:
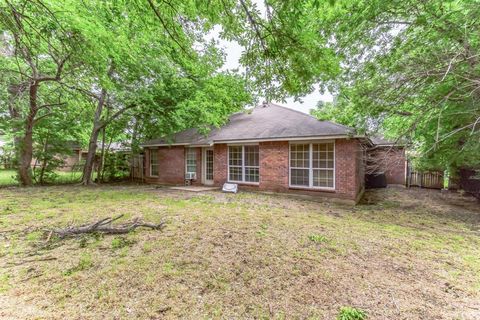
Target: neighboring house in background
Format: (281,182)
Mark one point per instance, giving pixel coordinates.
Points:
(70,160)
(270,148)
(74,160)
(388,158)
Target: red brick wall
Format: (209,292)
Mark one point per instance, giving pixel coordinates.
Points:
(274,157)
(171,165)
(220,169)
(274,166)
(348,168)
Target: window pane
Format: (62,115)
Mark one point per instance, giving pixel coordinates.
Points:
(251,156)
(246,167)
(235,155)
(251,175)
(330,163)
(235,174)
(322,155)
(235,163)
(154,162)
(299,155)
(154,156)
(209,165)
(299,177)
(191,160)
(323,178)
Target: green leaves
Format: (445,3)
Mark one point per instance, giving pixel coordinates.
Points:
(410,69)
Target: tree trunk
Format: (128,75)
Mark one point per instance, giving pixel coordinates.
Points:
(26,147)
(92,145)
(41,179)
(132,148)
(101,165)
(92,150)
(102,158)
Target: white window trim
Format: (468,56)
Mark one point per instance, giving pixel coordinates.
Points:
(243,164)
(150,162)
(310,168)
(187,149)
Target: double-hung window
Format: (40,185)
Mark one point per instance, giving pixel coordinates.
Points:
(191,160)
(243,164)
(312,165)
(153,162)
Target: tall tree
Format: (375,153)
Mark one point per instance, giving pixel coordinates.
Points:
(139,56)
(129,58)
(41,56)
(411,69)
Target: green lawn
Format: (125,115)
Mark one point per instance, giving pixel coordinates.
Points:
(7,177)
(402,254)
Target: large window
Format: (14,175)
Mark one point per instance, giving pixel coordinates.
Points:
(154,162)
(312,165)
(243,164)
(191,160)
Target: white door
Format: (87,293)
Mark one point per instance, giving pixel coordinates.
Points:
(208,165)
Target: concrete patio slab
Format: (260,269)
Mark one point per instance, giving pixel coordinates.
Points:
(195,188)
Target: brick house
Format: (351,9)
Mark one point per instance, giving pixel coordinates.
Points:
(270,148)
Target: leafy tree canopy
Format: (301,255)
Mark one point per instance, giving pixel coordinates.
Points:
(145,65)
(411,69)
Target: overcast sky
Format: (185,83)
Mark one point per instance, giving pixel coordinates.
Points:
(233,51)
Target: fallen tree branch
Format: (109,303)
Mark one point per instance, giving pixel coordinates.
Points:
(30,261)
(104,226)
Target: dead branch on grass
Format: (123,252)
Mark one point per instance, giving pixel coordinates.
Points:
(19,263)
(104,226)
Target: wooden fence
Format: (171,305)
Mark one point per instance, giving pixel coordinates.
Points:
(430,179)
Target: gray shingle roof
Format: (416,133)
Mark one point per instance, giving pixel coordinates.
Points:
(382,141)
(268,121)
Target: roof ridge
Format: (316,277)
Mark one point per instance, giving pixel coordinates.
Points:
(268,120)
(310,116)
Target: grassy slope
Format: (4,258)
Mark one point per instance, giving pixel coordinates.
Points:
(245,255)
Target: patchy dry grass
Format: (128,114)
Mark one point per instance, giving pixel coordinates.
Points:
(402,254)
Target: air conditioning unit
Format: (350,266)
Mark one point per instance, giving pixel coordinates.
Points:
(190,176)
